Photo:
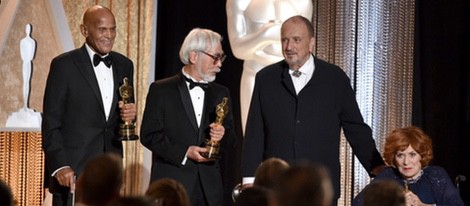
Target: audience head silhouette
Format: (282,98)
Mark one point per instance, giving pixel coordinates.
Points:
(101,180)
(256,196)
(305,184)
(384,193)
(168,192)
(268,172)
(134,201)
(6,196)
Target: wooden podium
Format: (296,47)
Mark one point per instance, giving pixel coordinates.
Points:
(22,164)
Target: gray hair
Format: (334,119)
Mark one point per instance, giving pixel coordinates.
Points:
(198,39)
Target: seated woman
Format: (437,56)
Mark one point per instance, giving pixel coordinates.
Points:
(408,152)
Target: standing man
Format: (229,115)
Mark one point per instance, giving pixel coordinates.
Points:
(179,116)
(253,28)
(82,110)
(299,107)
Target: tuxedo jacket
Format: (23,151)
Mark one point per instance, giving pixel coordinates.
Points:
(74,125)
(169,127)
(306,126)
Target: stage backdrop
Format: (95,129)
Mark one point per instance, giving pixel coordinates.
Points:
(414,66)
(354,35)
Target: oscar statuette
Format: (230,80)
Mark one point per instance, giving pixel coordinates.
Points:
(213,146)
(126,129)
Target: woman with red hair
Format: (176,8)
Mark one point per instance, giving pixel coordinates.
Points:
(408,152)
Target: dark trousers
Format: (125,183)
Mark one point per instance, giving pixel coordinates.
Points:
(197,194)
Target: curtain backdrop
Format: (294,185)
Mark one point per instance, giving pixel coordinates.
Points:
(357,36)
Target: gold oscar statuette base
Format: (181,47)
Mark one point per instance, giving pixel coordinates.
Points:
(127,132)
(212,150)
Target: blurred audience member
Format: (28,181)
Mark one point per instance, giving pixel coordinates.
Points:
(168,192)
(408,152)
(256,196)
(305,185)
(101,180)
(266,175)
(268,172)
(6,196)
(384,193)
(134,201)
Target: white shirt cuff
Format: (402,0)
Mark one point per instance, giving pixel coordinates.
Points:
(185,158)
(57,170)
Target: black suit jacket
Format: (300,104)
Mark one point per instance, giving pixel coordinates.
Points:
(306,126)
(169,127)
(74,125)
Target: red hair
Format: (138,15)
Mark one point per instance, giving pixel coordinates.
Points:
(400,139)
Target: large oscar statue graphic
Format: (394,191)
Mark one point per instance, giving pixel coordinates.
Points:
(213,146)
(126,130)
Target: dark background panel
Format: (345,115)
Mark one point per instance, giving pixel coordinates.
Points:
(441,104)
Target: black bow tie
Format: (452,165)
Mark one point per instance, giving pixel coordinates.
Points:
(193,84)
(97,59)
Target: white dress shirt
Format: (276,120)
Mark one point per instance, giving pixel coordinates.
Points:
(104,76)
(197,98)
(305,76)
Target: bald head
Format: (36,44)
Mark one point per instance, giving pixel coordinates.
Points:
(93,12)
(99,29)
(298,19)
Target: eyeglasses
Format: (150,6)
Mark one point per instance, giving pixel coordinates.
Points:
(219,57)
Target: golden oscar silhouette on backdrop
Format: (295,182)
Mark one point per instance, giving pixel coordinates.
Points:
(126,130)
(213,146)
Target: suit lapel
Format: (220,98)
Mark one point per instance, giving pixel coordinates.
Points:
(205,119)
(84,65)
(118,81)
(315,72)
(287,79)
(186,100)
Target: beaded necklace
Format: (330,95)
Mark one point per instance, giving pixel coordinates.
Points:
(412,181)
